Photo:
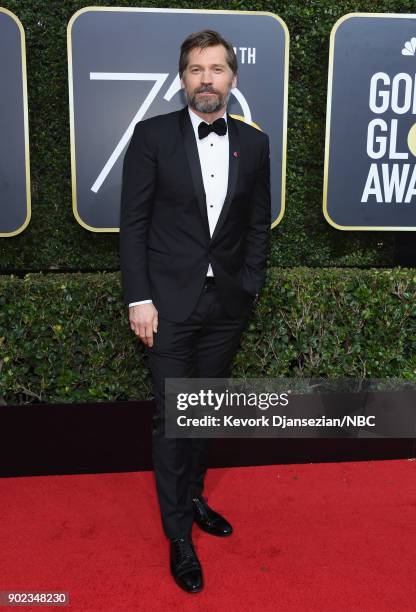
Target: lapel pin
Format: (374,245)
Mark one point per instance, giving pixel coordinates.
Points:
(236,154)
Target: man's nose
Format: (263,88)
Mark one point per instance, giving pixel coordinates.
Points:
(206,78)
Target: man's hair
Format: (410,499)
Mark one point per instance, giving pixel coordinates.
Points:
(202,40)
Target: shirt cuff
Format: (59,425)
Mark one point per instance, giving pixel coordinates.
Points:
(142,302)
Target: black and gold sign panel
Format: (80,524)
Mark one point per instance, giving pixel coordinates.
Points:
(120,73)
(370,158)
(14,140)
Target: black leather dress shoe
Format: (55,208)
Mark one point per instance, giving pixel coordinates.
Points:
(209,520)
(185,566)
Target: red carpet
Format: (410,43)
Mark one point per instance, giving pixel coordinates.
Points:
(327,537)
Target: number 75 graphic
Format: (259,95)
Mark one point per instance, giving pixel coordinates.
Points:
(159,80)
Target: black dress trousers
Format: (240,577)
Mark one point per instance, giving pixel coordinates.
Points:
(202,346)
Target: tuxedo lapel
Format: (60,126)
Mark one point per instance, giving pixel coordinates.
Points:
(192,155)
(233,165)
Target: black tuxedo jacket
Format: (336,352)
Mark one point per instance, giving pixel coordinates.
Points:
(165,243)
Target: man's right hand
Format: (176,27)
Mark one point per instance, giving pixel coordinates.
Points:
(144,322)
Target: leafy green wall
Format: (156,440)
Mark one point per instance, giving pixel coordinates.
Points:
(65,337)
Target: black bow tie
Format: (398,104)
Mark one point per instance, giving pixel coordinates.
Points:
(219,127)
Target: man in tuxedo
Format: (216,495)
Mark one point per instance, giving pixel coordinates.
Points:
(194,233)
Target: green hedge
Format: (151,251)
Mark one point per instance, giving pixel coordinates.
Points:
(66,338)
(54,240)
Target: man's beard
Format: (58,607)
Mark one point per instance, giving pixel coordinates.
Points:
(210,104)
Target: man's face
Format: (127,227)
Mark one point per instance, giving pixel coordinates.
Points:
(208,79)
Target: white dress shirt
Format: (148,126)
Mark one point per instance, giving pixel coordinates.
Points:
(213,153)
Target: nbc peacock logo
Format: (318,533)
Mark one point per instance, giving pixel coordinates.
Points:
(409,47)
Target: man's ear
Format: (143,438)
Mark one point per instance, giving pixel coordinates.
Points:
(234,82)
(182,83)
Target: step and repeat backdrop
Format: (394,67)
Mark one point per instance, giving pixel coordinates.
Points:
(120,73)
